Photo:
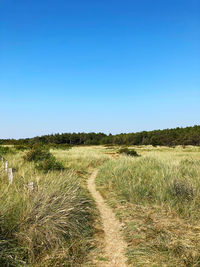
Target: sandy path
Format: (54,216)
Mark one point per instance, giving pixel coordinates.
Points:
(114,244)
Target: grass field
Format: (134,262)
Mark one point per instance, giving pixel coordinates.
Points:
(53,224)
(156,196)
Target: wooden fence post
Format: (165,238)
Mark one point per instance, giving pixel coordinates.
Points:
(6,166)
(10,175)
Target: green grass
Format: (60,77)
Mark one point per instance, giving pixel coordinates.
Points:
(53,224)
(81,159)
(157,197)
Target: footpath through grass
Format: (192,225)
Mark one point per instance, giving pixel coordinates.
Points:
(157,197)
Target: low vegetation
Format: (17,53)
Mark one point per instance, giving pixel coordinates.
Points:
(43,158)
(46,221)
(157,198)
(37,153)
(21,147)
(6,150)
(51,225)
(129,152)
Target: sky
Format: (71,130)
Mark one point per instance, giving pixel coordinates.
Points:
(98,66)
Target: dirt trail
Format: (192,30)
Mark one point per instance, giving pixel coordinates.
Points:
(114,244)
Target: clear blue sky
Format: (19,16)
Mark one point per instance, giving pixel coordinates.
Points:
(98,65)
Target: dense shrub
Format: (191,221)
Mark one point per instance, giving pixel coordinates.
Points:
(43,158)
(130,152)
(5,150)
(50,164)
(21,147)
(37,153)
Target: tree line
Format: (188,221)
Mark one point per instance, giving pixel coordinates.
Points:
(166,137)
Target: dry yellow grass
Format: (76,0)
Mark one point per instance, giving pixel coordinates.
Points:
(157,198)
(53,224)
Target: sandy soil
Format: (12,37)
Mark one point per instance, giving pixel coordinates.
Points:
(114,244)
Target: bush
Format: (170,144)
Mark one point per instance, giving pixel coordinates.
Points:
(50,164)
(21,147)
(37,153)
(130,152)
(44,159)
(5,150)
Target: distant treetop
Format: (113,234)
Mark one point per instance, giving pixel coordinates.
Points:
(167,137)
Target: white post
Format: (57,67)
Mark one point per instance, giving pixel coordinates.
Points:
(6,166)
(10,175)
(30,186)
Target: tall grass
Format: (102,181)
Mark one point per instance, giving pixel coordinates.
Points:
(81,159)
(49,226)
(158,200)
(149,180)
(43,158)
